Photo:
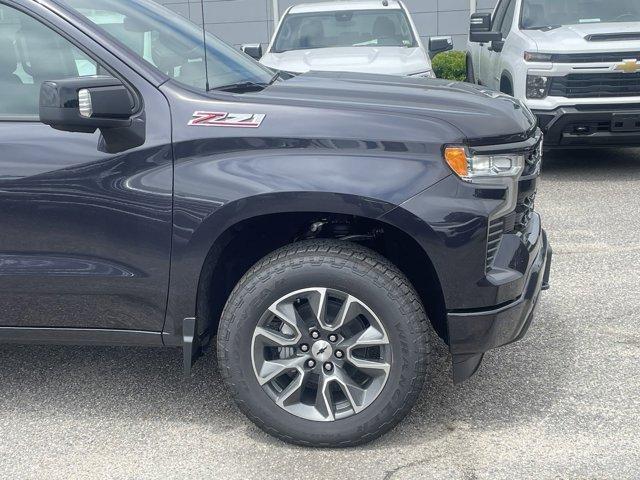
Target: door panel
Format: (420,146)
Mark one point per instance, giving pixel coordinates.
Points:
(487,73)
(504,21)
(86,235)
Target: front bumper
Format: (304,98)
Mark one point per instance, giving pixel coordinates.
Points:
(473,333)
(591,126)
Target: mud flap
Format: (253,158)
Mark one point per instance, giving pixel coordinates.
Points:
(191,348)
(465,366)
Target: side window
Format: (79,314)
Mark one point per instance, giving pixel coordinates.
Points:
(31,53)
(498,14)
(507,21)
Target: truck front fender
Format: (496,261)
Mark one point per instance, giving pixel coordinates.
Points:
(212,193)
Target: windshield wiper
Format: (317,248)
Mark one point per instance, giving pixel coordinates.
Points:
(244,86)
(276,77)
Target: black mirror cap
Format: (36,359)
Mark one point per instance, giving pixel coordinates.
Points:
(254,50)
(480,22)
(112,104)
(480,29)
(440,44)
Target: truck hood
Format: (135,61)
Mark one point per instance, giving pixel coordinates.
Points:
(573,38)
(386,60)
(481,115)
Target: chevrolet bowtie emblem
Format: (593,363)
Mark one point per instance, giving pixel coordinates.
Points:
(628,66)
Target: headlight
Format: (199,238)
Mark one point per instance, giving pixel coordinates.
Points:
(537,87)
(538,57)
(499,170)
(427,74)
(489,169)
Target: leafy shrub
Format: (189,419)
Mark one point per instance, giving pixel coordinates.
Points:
(451,65)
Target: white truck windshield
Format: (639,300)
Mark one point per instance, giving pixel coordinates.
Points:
(540,14)
(171,43)
(348,28)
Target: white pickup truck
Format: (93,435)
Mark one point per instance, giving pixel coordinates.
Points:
(574,63)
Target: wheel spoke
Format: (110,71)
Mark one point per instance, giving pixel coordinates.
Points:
(354,392)
(271,369)
(349,310)
(274,338)
(291,394)
(286,312)
(323,398)
(373,368)
(369,337)
(318,303)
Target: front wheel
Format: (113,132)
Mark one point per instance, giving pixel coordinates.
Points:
(324,343)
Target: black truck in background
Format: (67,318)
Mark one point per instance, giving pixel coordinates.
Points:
(322,230)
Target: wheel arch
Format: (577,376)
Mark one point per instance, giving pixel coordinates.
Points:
(506,83)
(239,234)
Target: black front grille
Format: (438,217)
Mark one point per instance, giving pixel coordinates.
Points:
(605,57)
(517,221)
(596,85)
(514,223)
(524,212)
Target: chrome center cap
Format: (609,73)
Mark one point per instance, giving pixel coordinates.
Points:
(322,350)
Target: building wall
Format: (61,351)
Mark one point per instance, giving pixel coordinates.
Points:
(251,21)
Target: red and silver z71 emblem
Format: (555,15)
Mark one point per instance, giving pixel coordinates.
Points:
(223,119)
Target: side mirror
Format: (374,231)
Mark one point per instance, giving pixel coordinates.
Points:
(480,29)
(86,104)
(254,50)
(439,45)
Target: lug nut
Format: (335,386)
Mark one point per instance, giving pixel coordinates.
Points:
(333,337)
(311,363)
(304,347)
(328,366)
(339,354)
(315,334)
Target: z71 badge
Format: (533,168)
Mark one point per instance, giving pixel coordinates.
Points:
(223,119)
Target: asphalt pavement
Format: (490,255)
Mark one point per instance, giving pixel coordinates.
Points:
(562,403)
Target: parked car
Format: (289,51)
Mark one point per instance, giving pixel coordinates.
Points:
(371,36)
(575,63)
(156,192)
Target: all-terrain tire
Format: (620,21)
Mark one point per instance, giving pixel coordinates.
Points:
(349,268)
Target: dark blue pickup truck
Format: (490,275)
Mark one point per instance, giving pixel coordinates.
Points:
(160,188)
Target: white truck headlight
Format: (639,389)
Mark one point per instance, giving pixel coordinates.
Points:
(537,86)
(486,169)
(538,57)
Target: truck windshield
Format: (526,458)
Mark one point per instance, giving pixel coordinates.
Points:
(346,28)
(171,43)
(540,14)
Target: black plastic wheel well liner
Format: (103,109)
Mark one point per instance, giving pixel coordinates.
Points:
(242,245)
(506,83)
